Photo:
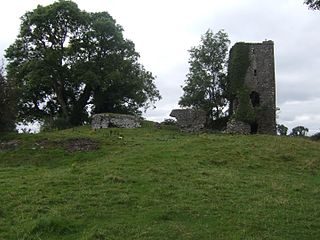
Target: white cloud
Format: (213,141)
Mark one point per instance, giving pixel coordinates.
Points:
(301,113)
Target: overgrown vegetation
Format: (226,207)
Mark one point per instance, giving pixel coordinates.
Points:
(152,183)
(300,131)
(245,111)
(316,136)
(239,63)
(282,129)
(7,103)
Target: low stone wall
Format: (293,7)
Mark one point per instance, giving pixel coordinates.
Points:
(238,127)
(189,120)
(110,120)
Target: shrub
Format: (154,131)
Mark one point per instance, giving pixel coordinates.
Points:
(169,122)
(316,136)
(299,131)
(282,129)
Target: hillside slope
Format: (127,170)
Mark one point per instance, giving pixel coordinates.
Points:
(153,183)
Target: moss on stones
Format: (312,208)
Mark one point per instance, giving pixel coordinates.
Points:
(239,63)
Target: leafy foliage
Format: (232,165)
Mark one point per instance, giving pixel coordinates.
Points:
(313,4)
(282,129)
(299,131)
(66,60)
(206,81)
(7,103)
(237,91)
(169,121)
(245,111)
(316,136)
(238,65)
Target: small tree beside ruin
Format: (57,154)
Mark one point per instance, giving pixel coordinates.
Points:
(206,81)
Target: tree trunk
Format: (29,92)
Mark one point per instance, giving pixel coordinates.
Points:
(60,97)
(78,114)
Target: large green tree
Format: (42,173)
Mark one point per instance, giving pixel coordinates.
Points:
(67,62)
(313,4)
(205,84)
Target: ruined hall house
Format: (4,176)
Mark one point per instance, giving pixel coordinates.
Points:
(252,87)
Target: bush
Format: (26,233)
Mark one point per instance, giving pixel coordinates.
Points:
(282,129)
(219,124)
(169,122)
(316,137)
(299,131)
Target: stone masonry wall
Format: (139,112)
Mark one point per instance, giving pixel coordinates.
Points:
(189,120)
(109,120)
(260,78)
(260,81)
(237,127)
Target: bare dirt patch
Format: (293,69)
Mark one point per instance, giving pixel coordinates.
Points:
(81,144)
(9,145)
(71,145)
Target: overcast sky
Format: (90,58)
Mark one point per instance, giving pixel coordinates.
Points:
(163,32)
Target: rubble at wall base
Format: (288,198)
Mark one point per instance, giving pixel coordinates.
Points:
(238,127)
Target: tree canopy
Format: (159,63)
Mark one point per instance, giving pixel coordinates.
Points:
(7,104)
(205,84)
(299,131)
(313,4)
(67,62)
(282,129)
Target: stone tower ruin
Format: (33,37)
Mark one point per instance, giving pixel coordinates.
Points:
(251,77)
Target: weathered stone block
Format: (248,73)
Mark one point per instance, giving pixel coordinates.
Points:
(110,120)
(189,120)
(238,127)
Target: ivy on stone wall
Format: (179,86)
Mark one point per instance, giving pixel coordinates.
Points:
(245,112)
(239,63)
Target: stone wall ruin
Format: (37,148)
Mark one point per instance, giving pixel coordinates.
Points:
(259,82)
(189,120)
(112,120)
(238,127)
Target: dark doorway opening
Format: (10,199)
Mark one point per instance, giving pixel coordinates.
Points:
(254,128)
(255,99)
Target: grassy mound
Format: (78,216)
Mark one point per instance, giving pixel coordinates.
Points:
(154,183)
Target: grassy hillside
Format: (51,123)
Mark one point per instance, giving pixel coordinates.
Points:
(153,183)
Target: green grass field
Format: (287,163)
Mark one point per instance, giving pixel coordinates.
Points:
(153,183)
